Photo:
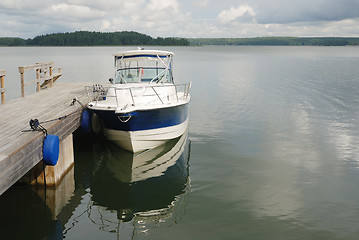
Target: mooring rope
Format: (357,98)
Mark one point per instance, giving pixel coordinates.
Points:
(35,124)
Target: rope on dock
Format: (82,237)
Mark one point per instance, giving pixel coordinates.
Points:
(35,124)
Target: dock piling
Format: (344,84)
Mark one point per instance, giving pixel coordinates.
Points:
(2,86)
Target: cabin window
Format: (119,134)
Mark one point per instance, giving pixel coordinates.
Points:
(143,74)
(136,70)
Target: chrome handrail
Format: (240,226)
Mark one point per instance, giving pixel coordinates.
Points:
(98,93)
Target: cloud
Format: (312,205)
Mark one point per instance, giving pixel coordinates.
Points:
(154,17)
(279,11)
(8,4)
(236,13)
(113,6)
(185,18)
(160,5)
(72,12)
(201,3)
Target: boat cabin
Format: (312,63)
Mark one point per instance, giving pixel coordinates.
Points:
(141,66)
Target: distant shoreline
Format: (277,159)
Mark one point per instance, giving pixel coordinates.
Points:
(85,38)
(98,39)
(202,45)
(278,41)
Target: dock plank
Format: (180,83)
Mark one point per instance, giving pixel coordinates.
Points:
(20,148)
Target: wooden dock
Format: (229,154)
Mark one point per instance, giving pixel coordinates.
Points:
(20,147)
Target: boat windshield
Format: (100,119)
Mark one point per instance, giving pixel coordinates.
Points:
(138,69)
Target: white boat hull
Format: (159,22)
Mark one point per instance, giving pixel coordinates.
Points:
(137,141)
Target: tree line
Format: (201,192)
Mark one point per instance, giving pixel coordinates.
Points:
(277,41)
(86,38)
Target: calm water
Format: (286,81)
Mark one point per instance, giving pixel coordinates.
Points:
(272,153)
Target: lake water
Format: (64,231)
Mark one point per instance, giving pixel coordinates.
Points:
(272,152)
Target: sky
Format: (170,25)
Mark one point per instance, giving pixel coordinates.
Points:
(182,18)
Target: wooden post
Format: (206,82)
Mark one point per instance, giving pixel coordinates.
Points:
(52,80)
(38,81)
(2,77)
(48,79)
(22,84)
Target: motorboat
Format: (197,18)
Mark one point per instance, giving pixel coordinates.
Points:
(142,108)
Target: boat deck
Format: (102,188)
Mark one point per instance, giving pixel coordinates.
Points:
(20,147)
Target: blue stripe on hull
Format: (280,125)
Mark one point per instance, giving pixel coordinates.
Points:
(144,119)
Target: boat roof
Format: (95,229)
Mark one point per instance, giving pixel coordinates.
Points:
(143,53)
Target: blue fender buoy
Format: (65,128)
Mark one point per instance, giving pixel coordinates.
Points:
(51,149)
(86,121)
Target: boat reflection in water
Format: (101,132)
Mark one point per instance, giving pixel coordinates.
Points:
(147,189)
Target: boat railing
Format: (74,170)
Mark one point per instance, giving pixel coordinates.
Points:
(96,92)
(110,94)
